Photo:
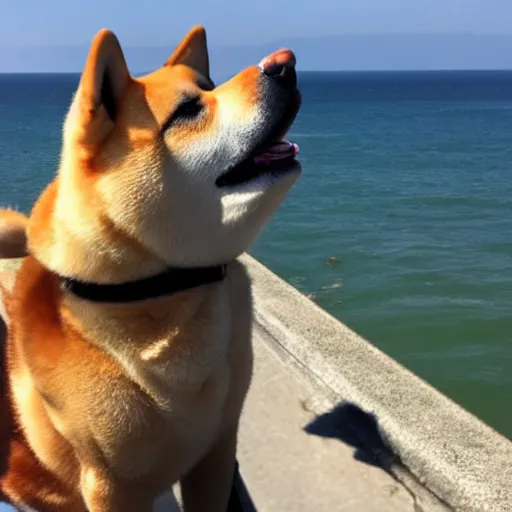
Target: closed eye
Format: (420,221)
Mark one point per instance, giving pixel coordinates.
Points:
(187,110)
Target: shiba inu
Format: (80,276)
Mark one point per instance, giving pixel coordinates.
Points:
(128,353)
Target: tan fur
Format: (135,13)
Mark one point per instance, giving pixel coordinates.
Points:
(113,403)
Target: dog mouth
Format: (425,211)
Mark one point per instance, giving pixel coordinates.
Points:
(275,155)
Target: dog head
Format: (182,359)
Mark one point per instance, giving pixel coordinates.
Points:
(166,169)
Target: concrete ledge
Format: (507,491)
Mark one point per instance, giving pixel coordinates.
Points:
(462,461)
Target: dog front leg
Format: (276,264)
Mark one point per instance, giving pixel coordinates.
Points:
(207,486)
(102,494)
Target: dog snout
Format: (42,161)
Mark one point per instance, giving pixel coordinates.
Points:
(280,66)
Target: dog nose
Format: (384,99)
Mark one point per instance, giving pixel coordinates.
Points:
(280,65)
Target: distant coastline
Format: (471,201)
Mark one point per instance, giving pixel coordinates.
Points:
(350,52)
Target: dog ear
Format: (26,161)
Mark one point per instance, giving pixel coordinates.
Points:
(193,52)
(102,85)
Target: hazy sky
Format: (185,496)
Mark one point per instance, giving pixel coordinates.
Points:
(54,35)
(156,22)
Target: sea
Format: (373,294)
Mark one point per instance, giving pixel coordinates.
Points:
(400,225)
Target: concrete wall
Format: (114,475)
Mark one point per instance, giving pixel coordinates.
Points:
(457,457)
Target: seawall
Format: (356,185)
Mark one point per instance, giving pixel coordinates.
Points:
(432,441)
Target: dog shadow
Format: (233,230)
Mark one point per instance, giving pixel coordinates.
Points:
(355,427)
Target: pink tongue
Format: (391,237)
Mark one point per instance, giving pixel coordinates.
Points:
(277,151)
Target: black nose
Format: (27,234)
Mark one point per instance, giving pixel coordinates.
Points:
(281,66)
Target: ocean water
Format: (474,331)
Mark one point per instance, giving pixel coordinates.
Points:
(400,226)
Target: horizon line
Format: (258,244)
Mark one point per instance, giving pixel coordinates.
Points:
(332,71)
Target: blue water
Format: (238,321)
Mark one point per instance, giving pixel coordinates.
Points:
(401,225)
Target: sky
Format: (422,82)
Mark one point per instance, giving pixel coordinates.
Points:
(63,25)
(155,22)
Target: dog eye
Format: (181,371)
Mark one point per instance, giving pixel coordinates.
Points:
(187,110)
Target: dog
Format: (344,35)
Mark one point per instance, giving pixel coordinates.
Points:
(128,353)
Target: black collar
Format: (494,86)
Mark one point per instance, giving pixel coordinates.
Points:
(168,282)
